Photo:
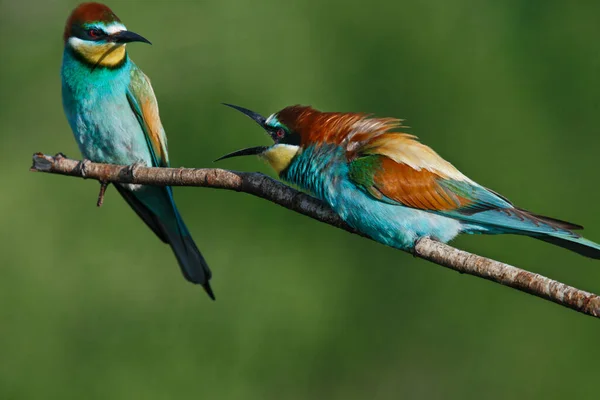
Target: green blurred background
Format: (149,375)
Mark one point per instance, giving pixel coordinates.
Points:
(93,306)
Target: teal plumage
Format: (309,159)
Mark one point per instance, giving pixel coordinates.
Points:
(391,187)
(112,110)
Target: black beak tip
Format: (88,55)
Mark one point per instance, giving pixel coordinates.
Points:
(241,109)
(259,119)
(144,40)
(128,37)
(251,151)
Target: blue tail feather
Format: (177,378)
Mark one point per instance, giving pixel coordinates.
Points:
(577,244)
(156,208)
(521,222)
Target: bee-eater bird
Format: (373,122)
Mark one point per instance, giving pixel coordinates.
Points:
(112,110)
(389,186)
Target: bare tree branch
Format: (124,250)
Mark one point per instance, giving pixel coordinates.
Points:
(262,186)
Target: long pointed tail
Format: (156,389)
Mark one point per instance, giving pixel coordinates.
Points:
(521,222)
(575,243)
(192,263)
(557,232)
(155,206)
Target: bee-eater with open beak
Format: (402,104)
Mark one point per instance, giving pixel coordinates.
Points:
(113,113)
(389,186)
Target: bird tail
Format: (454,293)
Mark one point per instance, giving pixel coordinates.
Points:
(156,207)
(550,230)
(574,243)
(192,263)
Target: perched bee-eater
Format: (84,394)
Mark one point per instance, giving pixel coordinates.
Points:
(113,113)
(389,186)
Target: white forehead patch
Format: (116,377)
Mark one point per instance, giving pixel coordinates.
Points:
(114,28)
(272,120)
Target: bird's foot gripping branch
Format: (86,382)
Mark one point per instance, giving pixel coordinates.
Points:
(262,186)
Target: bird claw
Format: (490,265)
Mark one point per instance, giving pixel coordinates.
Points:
(81,167)
(60,156)
(413,250)
(131,169)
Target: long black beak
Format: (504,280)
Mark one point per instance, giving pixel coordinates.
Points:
(128,37)
(251,151)
(259,119)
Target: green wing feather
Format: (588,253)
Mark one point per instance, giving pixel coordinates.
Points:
(145,107)
(155,205)
(398,183)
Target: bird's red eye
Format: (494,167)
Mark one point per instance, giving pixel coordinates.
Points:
(94,33)
(280,133)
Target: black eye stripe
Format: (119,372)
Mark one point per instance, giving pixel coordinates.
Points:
(282,135)
(95,34)
(88,33)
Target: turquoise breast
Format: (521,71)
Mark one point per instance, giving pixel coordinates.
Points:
(96,105)
(323,171)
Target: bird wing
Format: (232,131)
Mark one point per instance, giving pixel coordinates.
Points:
(396,168)
(145,107)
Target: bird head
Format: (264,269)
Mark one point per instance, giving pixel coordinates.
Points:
(283,132)
(297,127)
(97,37)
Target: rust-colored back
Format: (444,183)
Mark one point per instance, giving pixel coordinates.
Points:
(315,126)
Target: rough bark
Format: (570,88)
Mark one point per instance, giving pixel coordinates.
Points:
(269,189)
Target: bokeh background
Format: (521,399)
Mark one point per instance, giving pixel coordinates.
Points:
(93,306)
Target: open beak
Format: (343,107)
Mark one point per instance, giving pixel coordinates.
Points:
(128,37)
(252,151)
(256,117)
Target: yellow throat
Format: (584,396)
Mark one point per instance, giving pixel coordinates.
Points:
(280,156)
(106,55)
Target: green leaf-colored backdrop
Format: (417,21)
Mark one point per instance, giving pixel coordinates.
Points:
(93,306)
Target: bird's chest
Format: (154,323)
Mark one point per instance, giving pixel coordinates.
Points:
(325,174)
(317,170)
(104,125)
